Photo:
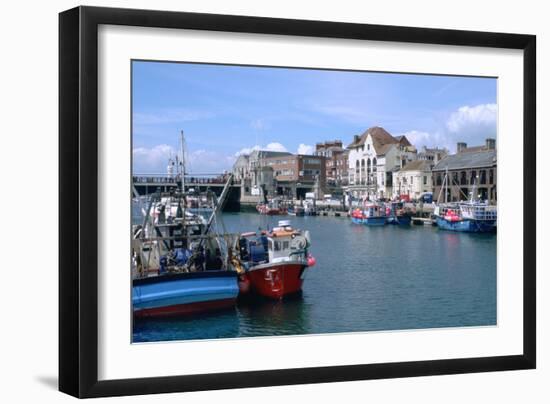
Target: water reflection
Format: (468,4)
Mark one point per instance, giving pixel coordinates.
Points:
(366,278)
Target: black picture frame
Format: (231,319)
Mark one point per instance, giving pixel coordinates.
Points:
(78,203)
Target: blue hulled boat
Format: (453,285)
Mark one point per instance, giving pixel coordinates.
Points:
(372,214)
(179,265)
(397,214)
(467,217)
(184,293)
(472,216)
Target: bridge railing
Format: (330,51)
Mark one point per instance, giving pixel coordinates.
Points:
(190,179)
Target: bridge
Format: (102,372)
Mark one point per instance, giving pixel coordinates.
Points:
(145,184)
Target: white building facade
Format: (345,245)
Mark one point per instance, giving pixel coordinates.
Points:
(373,157)
(413,180)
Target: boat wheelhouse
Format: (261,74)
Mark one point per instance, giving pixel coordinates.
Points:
(371,214)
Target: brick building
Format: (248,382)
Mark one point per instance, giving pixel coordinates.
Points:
(336,157)
(297,174)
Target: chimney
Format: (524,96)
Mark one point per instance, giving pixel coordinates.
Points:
(490,144)
(460,146)
(356,139)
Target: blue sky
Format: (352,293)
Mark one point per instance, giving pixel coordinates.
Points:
(227,110)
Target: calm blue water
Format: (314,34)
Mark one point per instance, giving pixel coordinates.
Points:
(366,278)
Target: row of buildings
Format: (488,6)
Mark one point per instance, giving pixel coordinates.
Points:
(374,165)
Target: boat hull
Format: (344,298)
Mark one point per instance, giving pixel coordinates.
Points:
(375,221)
(356,220)
(404,220)
(184,294)
(277,280)
(467,225)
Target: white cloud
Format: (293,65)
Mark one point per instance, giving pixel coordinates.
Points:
(208,162)
(169,115)
(247,150)
(273,146)
(418,138)
(477,118)
(421,138)
(470,124)
(305,149)
(152,160)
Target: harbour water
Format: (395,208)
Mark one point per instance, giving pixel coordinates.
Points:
(365,279)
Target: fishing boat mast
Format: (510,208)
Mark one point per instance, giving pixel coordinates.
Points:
(446,183)
(182,162)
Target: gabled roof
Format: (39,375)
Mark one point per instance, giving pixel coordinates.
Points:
(417,165)
(380,139)
(383,149)
(477,159)
(402,139)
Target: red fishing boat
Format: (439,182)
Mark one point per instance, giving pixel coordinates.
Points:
(275,262)
(274,207)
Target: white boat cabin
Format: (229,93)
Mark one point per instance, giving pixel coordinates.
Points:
(285,243)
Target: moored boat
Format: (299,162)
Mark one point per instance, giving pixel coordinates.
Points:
(272,208)
(179,265)
(371,214)
(467,217)
(471,216)
(184,293)
(309,208)
(275,262)
(296,210)
(397,214)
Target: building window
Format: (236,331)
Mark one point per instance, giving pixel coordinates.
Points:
(425,179)
(368,166)
(368,146)
(463,180)
(491,176)
(455,178)
(438,180)
(374,165)
(473,176)
(483,175)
